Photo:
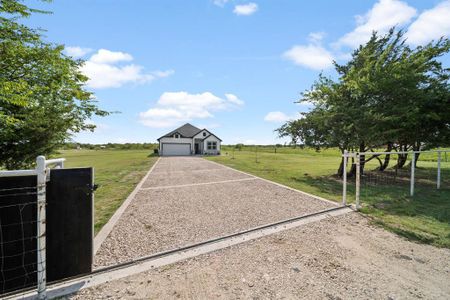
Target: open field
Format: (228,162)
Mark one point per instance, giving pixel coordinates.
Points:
(425,217)
(117,172)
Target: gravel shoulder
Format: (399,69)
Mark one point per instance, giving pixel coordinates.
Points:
(337,258)
(167,218)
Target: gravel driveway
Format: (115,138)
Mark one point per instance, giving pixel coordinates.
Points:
(337,258)
(187,200)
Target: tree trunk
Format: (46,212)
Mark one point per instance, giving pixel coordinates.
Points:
(340,171)
(401,161)
(387,158)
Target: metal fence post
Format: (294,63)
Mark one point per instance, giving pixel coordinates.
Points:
(413,167)
(438,180)
(344,179)
(41,227)
(358,180)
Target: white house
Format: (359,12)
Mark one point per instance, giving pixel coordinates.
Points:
(189,140)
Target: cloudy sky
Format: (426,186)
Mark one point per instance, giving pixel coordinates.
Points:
(235,67)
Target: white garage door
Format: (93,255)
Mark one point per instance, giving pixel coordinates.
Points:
(176,149)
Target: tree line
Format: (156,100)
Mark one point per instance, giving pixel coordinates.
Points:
(387,96)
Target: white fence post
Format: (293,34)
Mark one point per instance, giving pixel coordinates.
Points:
(41,227)
(358,180)
(344,179)
(438,180)
(413,167)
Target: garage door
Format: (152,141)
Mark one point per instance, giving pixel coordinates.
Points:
(176,149)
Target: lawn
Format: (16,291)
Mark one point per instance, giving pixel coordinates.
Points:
(117,172)
(424,217)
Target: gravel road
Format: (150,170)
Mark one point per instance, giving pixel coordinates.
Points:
(189,200)
(337,258)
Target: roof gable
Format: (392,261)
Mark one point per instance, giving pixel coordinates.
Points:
(186,131)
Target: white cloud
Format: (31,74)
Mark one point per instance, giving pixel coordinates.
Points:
(220,3)
(104,56)
(381,17)
(311,56)
(316,37)
(280,117)
(173,108)
(245,9)
(430,25)
(234,99)
(77,52)
(104,70)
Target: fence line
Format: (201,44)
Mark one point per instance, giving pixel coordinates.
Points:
(357,157)
(42,173)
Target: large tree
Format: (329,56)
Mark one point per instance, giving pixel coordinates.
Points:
(42,95)
(388,95)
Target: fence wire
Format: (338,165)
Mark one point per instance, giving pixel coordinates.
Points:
(395,179)
(18,251)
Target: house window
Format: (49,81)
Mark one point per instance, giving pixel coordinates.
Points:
(176,135)
(204,133)
(212,145)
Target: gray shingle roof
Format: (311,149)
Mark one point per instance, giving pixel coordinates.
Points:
(187,130)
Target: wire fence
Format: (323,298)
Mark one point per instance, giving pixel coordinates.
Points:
(18,223)
(23,227)
(395,175)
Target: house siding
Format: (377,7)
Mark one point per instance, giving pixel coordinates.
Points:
(205,145)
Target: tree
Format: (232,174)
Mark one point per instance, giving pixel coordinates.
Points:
(387,95)
(42,96)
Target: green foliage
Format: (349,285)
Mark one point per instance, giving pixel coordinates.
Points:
(388,94)
(110,146)
(42,98)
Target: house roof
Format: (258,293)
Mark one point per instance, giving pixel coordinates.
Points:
(187,131)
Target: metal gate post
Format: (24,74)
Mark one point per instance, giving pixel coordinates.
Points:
(41,227)
(358,180)
(344,179)
(413,167)
(438,181)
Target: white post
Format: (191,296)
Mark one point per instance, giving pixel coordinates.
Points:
(438,181)
(358,180)
(413,167)
(344,179)
(41,227)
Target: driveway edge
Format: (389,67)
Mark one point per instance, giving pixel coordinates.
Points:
(108,227)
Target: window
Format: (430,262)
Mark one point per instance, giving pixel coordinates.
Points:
(204,133)
(176,135)
(212,145)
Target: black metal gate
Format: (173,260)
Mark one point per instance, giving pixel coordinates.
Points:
(69,222)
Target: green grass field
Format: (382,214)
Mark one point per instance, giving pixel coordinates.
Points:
(424,217)
(117,172)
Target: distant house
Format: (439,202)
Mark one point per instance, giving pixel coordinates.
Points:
(189,140)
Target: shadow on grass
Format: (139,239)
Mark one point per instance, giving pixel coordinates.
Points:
(424,217)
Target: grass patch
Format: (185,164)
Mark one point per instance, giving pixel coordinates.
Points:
(117,172)
(424,217)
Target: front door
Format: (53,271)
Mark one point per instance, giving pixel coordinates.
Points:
(197,150)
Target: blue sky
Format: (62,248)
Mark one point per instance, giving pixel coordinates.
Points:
(235,67)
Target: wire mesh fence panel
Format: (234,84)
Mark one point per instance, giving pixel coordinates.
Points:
(18,223)
(385,178)
(396,179)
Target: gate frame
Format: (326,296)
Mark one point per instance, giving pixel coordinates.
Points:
(42,173)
